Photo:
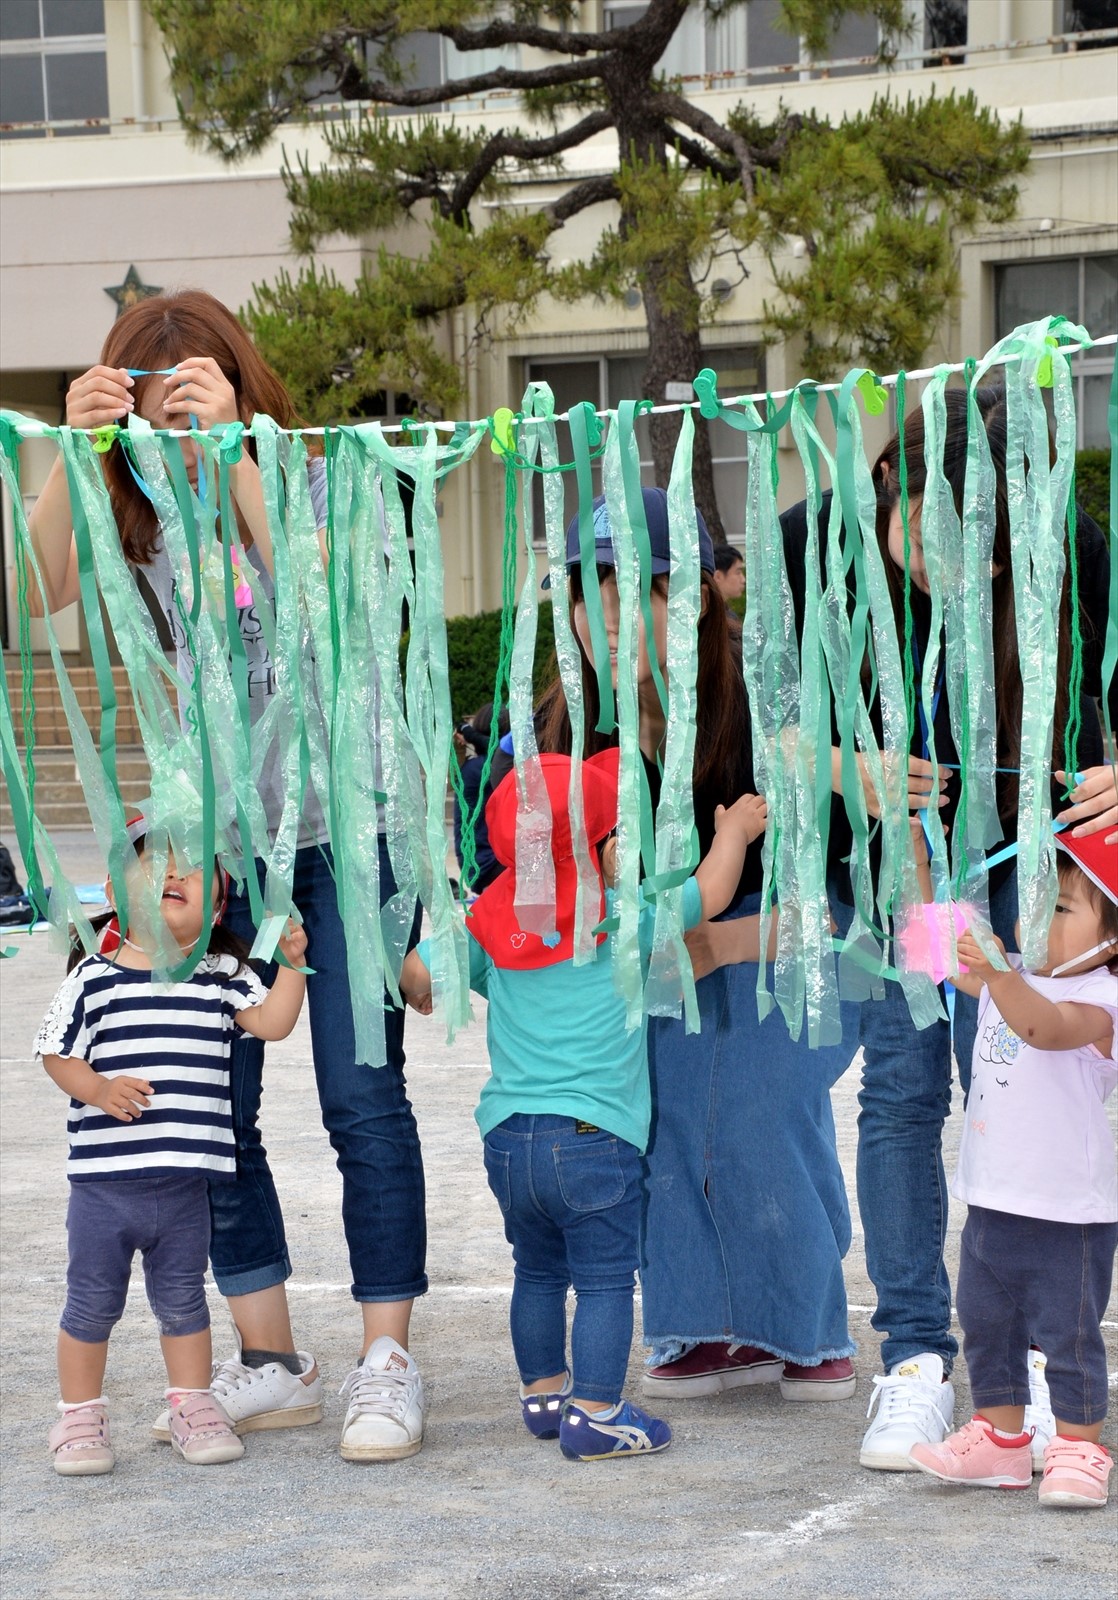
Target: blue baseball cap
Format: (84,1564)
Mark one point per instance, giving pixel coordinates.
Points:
(656,517)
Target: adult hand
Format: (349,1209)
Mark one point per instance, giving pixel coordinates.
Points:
(1094,803)
(717,944)
(918,780)
(123,1098)
(100,396)
(199,388)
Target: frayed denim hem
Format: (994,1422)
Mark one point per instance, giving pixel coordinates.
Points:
(664,1351)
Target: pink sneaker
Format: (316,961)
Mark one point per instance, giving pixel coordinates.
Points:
(829,1380)
(79,1443)
(201,1432)
(710,1368)
(972,1456)
(1075,1474)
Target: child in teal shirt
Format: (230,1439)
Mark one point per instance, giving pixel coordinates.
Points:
(565,1114)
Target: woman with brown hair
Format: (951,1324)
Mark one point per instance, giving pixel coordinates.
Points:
(219,377)
(906,1078)
(746,1220)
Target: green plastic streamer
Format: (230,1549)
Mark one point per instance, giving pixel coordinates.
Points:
(670,977)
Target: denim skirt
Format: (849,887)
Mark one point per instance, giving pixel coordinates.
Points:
(746,1220)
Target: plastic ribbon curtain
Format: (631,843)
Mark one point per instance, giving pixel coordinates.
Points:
(371,745)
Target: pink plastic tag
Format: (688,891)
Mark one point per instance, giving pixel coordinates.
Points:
(924,937)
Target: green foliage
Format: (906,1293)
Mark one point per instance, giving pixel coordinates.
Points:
(879,200)
(1092,485)
(473,645)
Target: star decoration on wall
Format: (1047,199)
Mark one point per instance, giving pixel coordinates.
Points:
(131,291)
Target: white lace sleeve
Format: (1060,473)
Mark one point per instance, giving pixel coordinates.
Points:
(63,1031)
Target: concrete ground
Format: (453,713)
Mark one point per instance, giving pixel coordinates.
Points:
(756,1498)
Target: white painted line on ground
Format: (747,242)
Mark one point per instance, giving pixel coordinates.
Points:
(806,1529)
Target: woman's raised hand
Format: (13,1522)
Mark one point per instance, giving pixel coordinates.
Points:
(199,388)
(100,396)
(1094,803)
(919,780)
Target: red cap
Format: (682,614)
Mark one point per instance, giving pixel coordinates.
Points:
(492,920)
(1095,857)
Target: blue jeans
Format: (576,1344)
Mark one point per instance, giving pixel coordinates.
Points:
(365,1110)
(571,1203)
(747,1219)
(902,1187)
(1025,1280)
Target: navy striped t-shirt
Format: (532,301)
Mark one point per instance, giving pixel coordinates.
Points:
(177,1037)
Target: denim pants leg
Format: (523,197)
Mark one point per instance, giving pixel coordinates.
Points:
(902,1187)
(571,1204)
(365,1111)
(747,1220)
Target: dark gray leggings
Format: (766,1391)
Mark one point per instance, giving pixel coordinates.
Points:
(167,1219)
(1022,1281)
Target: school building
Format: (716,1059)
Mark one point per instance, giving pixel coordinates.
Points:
(101,197)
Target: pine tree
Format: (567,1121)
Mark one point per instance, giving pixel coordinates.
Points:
(879,199)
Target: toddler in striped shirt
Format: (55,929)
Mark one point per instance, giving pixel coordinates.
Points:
(146,1065)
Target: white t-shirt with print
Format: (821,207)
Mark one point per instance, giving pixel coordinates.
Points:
(1037,1140)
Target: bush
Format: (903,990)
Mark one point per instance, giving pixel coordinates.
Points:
(1092,485)
(473,645)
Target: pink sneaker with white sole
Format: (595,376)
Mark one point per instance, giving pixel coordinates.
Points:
(1075,1474)
(973,1458)
(79,1442)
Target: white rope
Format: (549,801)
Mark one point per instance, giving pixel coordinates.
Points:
(889,382)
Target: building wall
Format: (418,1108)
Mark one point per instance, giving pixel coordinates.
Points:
(77,211)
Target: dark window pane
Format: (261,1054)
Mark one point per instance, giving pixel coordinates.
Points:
(571,382)
(945,23)
(1093,431)
(1100,294)
(21,89)
(61,17)
(1083,16)
(767,45)
(77,86)
(19,19)
(1036,289)
(858,36)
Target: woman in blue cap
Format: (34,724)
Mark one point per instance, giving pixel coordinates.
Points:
(747,1219)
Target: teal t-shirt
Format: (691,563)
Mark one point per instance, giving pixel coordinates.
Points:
(558,1044)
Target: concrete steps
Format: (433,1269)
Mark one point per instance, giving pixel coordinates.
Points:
(59,801)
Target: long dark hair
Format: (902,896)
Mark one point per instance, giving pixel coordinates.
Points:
(161,332)
(223,941)
(722,725)
(1007,667)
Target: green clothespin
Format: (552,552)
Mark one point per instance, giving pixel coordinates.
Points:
(500,425)
(1044,369)
(592,421)
(873,395)
(104,438)
(706,388)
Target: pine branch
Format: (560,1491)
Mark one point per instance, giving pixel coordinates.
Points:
(503,145)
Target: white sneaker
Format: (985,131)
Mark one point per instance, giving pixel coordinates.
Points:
(384,1421)
(255,1398)
(1038,1412)
(914,1406)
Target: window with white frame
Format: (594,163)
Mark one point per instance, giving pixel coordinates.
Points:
(606,380)
(1085,16)
(745,37)
(1085,290)
(52,66)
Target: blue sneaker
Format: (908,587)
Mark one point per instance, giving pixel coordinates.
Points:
(541,1412)
(609,1435)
